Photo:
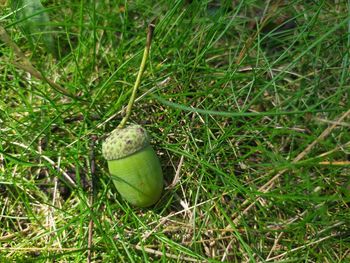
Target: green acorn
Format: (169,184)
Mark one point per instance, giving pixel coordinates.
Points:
(134,166)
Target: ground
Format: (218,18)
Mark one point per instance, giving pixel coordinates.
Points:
(247,104)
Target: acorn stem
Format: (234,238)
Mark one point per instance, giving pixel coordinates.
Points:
(139,75)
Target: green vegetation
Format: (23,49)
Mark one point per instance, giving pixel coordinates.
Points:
(247,104)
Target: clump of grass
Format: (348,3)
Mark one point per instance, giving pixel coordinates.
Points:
(248,108)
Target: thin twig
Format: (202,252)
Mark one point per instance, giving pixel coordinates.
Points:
(53,205)
(275,244)
(92,193)
(40,249)
(65,175)
(177,174)
(290,221)
(335,163)
(344,124)
(337,148)
(10,237)
(302,247)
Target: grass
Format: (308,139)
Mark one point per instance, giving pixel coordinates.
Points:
(247,106)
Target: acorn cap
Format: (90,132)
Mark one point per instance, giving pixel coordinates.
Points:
(124,142)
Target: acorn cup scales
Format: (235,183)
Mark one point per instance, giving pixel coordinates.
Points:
(134,166)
